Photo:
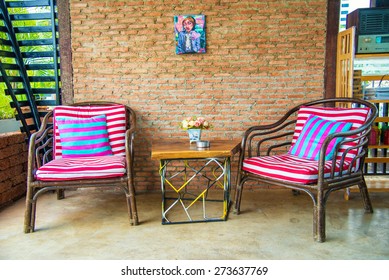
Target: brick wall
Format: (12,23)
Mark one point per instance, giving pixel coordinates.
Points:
(13,167)
(262,57)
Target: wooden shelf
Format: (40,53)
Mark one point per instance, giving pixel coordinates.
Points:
(377,160)
(378,146)
(374,78)
(372,55)
(379,101)
(382,119)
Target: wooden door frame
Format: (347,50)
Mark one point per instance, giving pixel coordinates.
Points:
(65,47)
(333,13)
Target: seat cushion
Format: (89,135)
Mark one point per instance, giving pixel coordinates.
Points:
(289,168)
(82,168)
(116,124)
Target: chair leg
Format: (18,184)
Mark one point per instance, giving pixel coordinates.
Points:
(295,192)
(60,194)
(346,194)
(29,212)
(132,212)
(365,195)
(319,219)
(238,196)
(131,205)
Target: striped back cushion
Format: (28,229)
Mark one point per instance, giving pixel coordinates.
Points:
(356,116)
(312,137)
(116,124)
(84,137)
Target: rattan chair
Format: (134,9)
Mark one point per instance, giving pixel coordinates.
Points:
(61,158)
(277,154)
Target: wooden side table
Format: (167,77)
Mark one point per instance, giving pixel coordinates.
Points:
(209,166)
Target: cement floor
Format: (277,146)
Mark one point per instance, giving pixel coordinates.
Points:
(273,225)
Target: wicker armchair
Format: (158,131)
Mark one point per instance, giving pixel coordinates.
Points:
(282,153)
(55,162)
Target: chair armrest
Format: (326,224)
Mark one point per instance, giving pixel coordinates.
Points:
(266,139)
(40,147)
(130,135)
(274,135)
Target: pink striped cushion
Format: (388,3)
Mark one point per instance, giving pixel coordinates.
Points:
(82,168)
(357,116)
(84,137)
(312,136)
(288,167)
(116,124)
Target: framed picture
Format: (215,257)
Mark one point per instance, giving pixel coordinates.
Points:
(189,33)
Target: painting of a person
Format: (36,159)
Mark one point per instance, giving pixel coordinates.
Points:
(188,39)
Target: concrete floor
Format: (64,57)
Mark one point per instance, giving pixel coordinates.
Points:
(273,225)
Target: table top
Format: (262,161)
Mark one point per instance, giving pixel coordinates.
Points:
(182,149)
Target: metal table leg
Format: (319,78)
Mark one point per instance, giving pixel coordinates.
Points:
(220,177)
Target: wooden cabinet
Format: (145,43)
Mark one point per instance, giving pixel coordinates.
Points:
(377,162)
(345,60)
(378,151)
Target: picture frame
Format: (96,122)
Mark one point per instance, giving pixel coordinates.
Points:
(190,34)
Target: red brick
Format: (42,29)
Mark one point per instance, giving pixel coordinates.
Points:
(260,54)
(12,167)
